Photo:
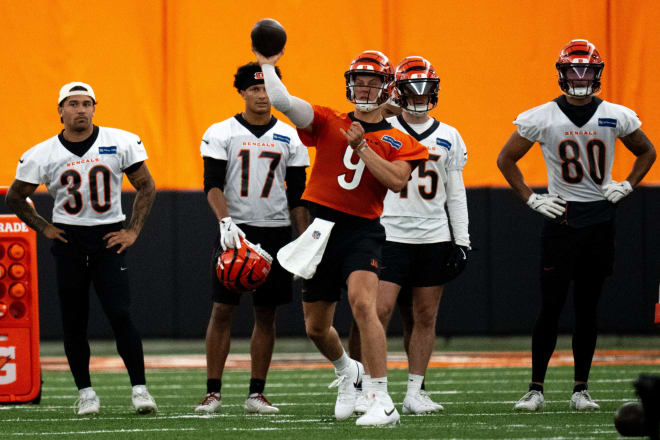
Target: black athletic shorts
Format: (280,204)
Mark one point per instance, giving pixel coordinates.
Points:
(568,251)
(355,244)
(416,265)
(277,289)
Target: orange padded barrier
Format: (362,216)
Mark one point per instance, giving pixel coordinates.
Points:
(164,68)
(20,367)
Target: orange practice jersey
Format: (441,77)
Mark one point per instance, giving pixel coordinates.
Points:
(339,179)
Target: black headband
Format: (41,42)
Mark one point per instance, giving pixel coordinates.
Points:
(250,79)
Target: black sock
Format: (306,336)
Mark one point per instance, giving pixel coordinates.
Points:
(580,387)
(536,387)
(257,385)
(213,385)
(424,384)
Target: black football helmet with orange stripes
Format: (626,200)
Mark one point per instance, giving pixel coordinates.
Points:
(371,63)
(245,269)
(580,67)
(416,85)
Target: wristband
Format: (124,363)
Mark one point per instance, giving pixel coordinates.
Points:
(363,146)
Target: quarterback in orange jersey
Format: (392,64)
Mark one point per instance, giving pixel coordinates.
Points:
(359,156)
(357,191)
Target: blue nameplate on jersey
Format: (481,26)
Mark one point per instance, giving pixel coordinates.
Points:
(444,143)
(607,122)
(281,138)
(393,142)
(107,150)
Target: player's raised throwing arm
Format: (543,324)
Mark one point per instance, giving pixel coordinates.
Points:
(299,111)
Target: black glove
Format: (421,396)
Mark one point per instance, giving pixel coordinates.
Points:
(456,262)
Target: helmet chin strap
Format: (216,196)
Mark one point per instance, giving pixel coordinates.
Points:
(416,112)
(579,92)
(366,108)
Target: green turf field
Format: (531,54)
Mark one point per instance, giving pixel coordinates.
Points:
(477,404)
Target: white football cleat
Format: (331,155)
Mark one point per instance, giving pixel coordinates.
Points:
(87,404)
(381,411)
(426,396)
(257,403)
(142,401)
(361,403)
(346,382)
(210,404)
(582,401)
(420,403)
(532,401)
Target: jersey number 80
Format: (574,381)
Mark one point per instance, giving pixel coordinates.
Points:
(571,168)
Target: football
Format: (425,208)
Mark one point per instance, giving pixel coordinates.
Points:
(629,420)
(268,37)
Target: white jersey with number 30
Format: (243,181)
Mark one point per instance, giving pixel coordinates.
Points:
(87,188)
(578,159)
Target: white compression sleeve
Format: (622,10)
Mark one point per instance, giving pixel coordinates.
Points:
(300,112)
(457,207)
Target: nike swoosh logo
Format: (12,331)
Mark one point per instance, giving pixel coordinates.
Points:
(389,413)
(358,379)
(205,141)
(123,268)
(21,160)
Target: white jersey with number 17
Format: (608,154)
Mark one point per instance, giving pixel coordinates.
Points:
(578,159)
(255,188)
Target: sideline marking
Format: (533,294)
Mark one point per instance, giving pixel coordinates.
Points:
(297,361)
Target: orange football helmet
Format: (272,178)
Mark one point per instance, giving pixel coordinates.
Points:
(415,77)
(245,269)
(370,62)
(580,67)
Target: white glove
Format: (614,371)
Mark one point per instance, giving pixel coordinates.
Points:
(230,234)
(615,191)
(547,204)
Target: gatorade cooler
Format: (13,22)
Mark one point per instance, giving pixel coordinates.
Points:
(20,367)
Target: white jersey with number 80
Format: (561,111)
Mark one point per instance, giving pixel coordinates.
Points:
(578,159)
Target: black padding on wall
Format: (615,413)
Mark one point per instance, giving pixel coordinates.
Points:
(497,293)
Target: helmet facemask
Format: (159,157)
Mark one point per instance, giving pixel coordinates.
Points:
(377,94)
(579,79)
(410,91)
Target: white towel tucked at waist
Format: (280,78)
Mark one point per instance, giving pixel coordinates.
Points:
(301,256)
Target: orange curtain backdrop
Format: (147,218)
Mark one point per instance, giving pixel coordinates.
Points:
(495,60)
(164,68)
(634,49)
(207,44)
(115,46)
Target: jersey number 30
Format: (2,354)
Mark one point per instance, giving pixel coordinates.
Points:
(72,180)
